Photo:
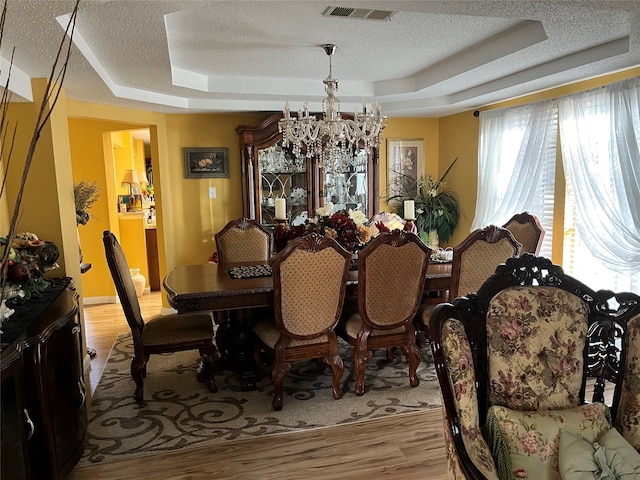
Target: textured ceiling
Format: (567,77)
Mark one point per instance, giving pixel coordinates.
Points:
(432,58)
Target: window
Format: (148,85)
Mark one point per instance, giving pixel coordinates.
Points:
(516,171)
(600,145)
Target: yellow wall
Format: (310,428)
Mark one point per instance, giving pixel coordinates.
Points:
(47,207)
(409,129)
(187,218)
(459,138)
(87,159)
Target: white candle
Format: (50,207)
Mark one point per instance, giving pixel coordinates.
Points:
(409,210)
(281,209)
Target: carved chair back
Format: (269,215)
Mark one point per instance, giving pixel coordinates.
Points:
(475,259)
(527,230)
(391,275)
(309,284)
(244,240)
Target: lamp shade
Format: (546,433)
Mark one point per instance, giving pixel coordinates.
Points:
(142,176)
(129,178)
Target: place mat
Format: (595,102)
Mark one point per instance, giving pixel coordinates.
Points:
(250,271)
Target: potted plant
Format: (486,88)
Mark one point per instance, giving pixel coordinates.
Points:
(85,195)
(437,209)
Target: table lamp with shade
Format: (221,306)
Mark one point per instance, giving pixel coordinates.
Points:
(130,179)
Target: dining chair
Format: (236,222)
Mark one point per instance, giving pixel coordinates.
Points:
(163,333)
(391,276)
(474,260)
(241,240)
(527,230)
(309,285)
(244,240)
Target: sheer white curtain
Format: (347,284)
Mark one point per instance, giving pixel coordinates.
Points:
(600,141)
(516,165)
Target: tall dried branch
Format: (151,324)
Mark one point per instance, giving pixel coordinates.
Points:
(49,100)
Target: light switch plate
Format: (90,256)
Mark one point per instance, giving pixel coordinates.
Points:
(212,192)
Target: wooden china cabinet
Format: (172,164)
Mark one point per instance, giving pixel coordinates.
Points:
(270,171)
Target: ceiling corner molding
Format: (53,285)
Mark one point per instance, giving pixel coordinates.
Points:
(19,82)
(562,64)
(516,38)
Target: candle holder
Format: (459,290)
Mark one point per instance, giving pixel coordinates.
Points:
(280,234)
(410,225)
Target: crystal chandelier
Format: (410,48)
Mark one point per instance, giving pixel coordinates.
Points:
(332,139)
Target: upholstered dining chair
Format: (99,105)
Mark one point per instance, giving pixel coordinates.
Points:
(527,230)
(309,285)
(474,260)
(391,275)
(533,369)
(161,334)
(244,240)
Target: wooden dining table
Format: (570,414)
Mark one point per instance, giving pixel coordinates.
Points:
(239,301)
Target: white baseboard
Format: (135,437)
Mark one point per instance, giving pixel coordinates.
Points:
(99,300)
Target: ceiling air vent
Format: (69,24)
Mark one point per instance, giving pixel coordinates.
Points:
(359,13)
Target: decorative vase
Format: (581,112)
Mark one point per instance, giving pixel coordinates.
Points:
(139,281)
(433,239)
(79,246)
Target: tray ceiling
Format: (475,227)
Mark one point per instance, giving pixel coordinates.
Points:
(418,58)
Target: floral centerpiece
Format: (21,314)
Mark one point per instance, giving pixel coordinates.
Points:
(27,260)
(437,209)
(347,227)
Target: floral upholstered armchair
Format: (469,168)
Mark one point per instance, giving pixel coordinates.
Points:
(515,362)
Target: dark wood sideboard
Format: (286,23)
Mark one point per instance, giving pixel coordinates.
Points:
(44,411)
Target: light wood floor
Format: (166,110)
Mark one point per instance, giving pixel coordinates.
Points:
(403,447)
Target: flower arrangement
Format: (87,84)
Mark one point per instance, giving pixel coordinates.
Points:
(27,262)
(148,191)
(437,209)
(347,227)
(85,195)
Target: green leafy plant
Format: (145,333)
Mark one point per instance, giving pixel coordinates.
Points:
(436,207)
(85,195)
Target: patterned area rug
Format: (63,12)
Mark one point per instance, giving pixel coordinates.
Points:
(178,412)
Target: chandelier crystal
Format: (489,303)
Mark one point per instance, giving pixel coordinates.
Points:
(332,139)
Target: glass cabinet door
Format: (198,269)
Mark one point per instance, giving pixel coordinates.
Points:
(346,182)
(282,175)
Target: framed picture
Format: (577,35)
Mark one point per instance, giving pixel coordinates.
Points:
(405,164)
(206,162)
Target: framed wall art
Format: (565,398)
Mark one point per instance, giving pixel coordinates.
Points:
(206,162)
(405,164)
